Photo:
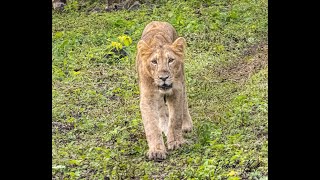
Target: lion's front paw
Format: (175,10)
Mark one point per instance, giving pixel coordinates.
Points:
(156,154)
(187,127)
(176,144)
(187,124)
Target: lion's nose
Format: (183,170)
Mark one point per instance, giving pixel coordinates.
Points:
(163,77)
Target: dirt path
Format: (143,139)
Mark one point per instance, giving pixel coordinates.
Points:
(252,60)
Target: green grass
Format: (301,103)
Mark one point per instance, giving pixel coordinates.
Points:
(97,130)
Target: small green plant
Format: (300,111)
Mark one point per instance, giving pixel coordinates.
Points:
(118,49)
(116,45)
(204,133)
(71,6)
(125,40)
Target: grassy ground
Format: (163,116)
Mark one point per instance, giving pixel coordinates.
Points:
(97,131)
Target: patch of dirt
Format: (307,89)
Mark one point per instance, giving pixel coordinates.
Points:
(62,127)
(242,69)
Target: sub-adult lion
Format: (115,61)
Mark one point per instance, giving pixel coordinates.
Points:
(163,98)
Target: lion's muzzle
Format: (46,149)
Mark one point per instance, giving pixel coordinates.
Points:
(165,86)
(164,82)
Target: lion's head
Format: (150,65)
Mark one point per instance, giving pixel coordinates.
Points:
(163,63)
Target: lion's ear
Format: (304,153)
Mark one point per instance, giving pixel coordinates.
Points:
(179,44)
(143,48)
(142,45)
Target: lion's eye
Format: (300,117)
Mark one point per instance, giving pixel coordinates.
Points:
(171,60)
(154,61)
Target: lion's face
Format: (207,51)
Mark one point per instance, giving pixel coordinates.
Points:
(163,64)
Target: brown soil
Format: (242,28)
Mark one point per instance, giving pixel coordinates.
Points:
(241,69)
(62,127)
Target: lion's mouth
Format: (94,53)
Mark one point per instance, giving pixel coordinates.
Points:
(165,87)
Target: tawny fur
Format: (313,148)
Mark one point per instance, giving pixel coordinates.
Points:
(160,54)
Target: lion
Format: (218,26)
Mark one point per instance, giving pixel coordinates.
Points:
(163,97)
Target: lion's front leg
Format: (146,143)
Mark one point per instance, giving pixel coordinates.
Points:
(187,124)
(150,117)
(163,116)
(175,105)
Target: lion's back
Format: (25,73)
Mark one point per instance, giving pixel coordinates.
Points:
(155,28)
